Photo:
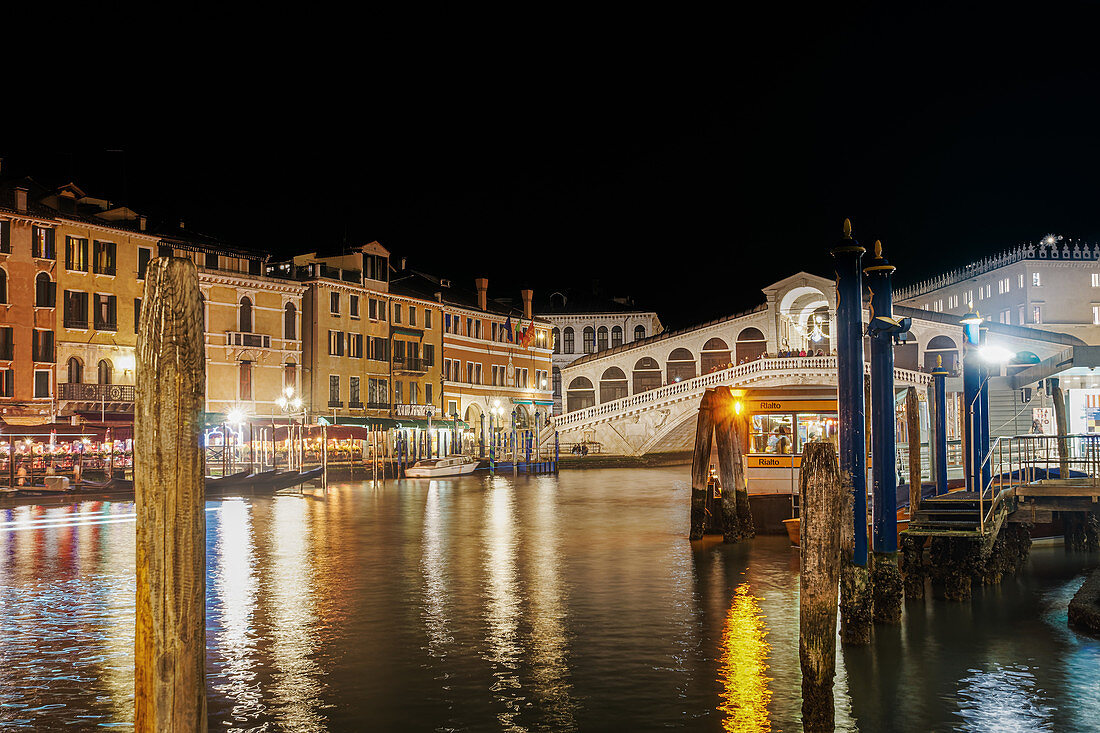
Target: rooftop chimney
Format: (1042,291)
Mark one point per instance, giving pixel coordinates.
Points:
(181,223)
(527,296)
(141,223)
(20,199)
(403,263)
(482,285)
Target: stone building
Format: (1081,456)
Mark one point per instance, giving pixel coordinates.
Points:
(1053,285)
(585,322)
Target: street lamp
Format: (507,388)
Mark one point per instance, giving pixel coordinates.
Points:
(291,405)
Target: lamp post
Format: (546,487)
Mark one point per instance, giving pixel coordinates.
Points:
(290,405)
(234,420)
(972,384)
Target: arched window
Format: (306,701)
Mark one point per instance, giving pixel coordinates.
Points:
(556,336)
(945,348)
(589,340)
(567,344)
(581,394)
(715,355)
(105,371)
(3,285)
(556,377)
(647,375)
(613,385)
(680,365)
(601,339)
(246,315)
(76,371)
(557,302)
(290,375)
(750,344)
(639,332)
(44,290)
(616,336)
(290,322)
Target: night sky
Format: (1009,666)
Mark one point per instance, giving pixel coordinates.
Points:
(687,161)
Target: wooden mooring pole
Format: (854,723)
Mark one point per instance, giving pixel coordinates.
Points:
(823,502)
(700,466)
(728,430)
(170,635)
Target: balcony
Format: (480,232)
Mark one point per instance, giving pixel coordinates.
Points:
(248,340)
(77,323)
(411,365)
(335,403)
(97,394)
(400,410)
(377,405)
(355,405)
(106,325)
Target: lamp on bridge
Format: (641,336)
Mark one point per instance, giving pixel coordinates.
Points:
(978,356)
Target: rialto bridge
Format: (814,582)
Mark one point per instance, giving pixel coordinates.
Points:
(642,397)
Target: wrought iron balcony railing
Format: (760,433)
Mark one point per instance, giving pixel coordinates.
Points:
(249,340)
(411,365)
(79,392)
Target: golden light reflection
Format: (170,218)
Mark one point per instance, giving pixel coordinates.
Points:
(503,604)
(236,586)
(743,669)
(435,577)
(292,595)
(549,647)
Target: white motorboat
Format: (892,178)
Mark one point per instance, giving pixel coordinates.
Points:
(441,467)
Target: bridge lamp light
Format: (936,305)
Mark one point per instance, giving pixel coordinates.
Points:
(235,417)
(738,406)
(995,354)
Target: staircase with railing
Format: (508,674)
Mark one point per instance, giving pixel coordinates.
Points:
(798,367)
(1047,468)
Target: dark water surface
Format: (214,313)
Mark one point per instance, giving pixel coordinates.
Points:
(569,603)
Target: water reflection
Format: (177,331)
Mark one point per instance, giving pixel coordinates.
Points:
(296,685)
(231,608)
(549,647)
(434,565)
(743,666)
(502,610)
(1004,699)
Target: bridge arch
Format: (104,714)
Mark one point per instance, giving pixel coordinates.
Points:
(580,394)
(804,311)
(613,385)
(647,374)
(751,344)
(715,355)
(680,365)
(944,347)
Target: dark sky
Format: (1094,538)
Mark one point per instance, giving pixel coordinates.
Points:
(687,160)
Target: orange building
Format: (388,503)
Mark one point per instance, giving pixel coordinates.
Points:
(489,368)
(27,303)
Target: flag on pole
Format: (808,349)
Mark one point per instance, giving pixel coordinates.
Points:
(508,328)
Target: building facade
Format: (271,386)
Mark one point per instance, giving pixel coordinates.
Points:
(496,359)
(1053,285)
(586,323)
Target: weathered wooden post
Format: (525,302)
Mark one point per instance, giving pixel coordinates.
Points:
(855,601)
(823,503)
(700,465)
(912,420)
(1063,430)
(170,635)
(736,519)
(324,456)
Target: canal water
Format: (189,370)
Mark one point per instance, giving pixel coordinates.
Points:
(545,603)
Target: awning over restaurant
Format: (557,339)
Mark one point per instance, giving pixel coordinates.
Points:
(66,433)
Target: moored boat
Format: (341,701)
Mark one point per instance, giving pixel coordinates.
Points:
(441,467)
(794,526)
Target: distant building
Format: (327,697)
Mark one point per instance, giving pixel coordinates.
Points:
(1053,285)
(585,322)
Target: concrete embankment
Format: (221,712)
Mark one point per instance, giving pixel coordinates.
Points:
(1084,609)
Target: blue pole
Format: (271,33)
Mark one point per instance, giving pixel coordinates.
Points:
(557,449)
(849,346)
(481,436)
(983,423)
(884,479)
(971,415)
(939,385)
(492,445)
